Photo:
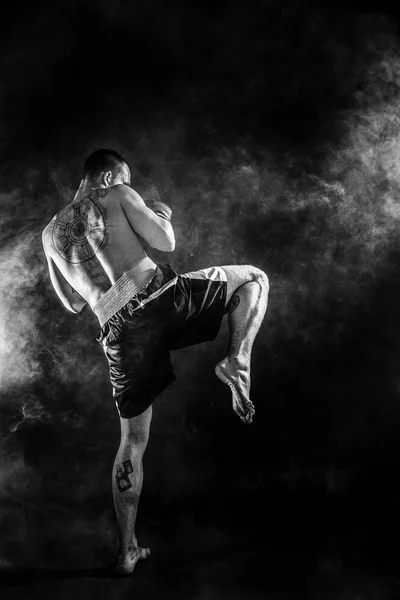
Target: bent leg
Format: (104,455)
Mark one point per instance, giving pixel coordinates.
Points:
(246,305)
(127,480)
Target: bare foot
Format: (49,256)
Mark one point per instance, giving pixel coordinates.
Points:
(236,373)
(125,565)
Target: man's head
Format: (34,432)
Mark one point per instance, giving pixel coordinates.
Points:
(104,168)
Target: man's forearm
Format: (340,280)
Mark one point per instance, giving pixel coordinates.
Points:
(165,239)
(164,211)
(170,235)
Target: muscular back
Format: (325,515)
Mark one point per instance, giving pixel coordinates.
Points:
(94,239)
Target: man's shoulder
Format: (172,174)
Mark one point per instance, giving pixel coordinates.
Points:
(47,234)
(48,228)
(122,190)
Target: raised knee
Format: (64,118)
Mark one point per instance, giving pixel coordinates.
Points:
(261,277)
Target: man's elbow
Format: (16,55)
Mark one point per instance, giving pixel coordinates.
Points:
(78,307)
(75,308)
(71,308)
(169,244)
(165,242)
(168,238)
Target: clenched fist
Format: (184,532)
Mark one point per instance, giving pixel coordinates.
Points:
(161,209)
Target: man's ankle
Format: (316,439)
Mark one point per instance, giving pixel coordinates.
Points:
(238,358)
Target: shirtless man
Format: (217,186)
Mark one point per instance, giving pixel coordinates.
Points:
(145,310)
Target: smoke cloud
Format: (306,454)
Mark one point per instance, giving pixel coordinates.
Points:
(275,153)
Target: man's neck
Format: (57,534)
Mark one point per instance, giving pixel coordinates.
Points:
(85,189)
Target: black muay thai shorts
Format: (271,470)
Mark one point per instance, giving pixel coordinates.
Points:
(169,312)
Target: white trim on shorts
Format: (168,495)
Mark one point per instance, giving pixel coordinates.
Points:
(213,273)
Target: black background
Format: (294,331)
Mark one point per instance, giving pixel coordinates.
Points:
(271,129)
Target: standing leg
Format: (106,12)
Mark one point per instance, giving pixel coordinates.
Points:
(246,305)
(127,480)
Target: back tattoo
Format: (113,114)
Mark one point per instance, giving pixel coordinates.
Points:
(79,231)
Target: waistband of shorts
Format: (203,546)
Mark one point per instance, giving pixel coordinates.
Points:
(130,283)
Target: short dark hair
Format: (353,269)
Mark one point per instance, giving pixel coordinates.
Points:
(102,160)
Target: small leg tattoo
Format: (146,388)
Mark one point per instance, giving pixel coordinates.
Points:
(233,304)
(122,475)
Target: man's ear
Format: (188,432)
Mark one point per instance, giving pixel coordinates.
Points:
(107,178)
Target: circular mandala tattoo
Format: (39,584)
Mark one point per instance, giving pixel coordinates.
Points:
(79,231)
